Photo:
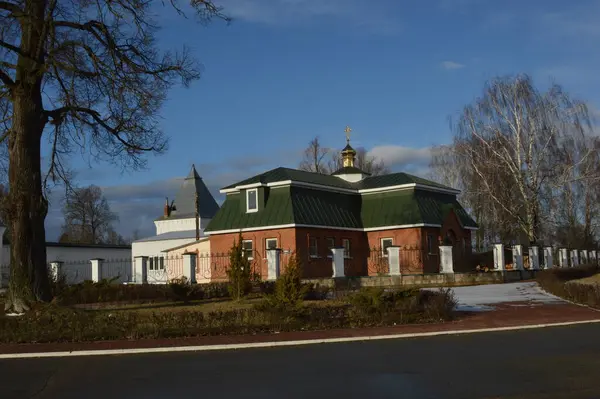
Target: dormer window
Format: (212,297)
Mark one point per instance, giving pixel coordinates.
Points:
(252,200)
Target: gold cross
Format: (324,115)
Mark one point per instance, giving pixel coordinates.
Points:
(347,130)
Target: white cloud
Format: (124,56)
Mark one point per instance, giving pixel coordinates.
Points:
(452,65)
(399,157)
(289,12)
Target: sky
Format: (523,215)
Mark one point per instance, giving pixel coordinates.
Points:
(285,71)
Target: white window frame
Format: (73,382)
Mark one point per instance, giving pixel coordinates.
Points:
(255,191)
(156,263)
(383,249)
(347,250)
(316,254)
(244,250)
(267,244)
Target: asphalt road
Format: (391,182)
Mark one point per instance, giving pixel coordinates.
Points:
(559,362)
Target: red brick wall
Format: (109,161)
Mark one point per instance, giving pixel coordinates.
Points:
(355,265)
(222,243)
(462,248)
(411,260)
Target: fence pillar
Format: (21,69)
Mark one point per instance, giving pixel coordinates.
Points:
(96,269)
(574,258)
(592,256)
(563,257)
(517,253)
(140,274)
(499,261)
(56,269)
(393,253)
(584,256)
(189,267)
(273,263)
(338,262)
(534,258)
(548,261)
(446,265)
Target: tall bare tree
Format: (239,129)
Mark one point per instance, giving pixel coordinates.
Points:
(88,218)
(325,160)
(80,74)
(511,139)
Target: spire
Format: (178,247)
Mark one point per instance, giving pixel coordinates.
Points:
(193,174)
(348,153)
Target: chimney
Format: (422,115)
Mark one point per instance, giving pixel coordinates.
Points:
(167,210)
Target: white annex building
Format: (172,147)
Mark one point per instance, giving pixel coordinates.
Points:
(182,223)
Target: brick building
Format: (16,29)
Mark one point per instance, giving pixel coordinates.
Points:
(309,213)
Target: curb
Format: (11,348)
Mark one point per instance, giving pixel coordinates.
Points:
(203,348)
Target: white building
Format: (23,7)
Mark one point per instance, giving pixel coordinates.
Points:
(183,221)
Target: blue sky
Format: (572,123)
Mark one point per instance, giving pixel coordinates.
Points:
(285,71)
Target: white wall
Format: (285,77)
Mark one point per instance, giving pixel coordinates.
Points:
(165,226)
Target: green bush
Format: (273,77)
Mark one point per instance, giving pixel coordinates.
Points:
(51,323)
(288,293)
(239,271)
(561,282)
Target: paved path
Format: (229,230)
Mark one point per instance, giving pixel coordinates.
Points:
(484,297)
(549,363)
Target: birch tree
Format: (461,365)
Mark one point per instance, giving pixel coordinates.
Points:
(85,75)
(509,139)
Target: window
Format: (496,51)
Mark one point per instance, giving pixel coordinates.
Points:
(248,249)
(270,243)
(385,243)
(430,244)
(330,242)
(252,200)
(156,263)
(346,245)
(313,249)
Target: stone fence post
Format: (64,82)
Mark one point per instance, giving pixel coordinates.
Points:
(574,258)
(548,261)
(517,253)
(56,269)
(273,263)
(584,257)
(96,269)
(140,273)
(446,264)
(593,258)
(338,262)
(563,259)
(499,261)
(534,258)
(393,253)
(189,266)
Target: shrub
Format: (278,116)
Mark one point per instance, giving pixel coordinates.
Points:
(239,271)
(288,292)
(560,282)
(181,289)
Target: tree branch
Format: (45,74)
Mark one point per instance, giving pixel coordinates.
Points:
(6,80)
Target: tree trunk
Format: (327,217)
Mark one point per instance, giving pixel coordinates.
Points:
(29,281)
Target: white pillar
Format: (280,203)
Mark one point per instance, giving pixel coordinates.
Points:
(56,269)
(273,263)
(96,269)
(338,262)
(534,258)
(574,258)
(499,261)
(140,274)
(446,265)
(563,259)
(584,257)
(517,252)
(189,267)
(592,256)
(548,261)
(394,260)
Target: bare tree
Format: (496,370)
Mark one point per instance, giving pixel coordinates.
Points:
(88,218)
(315,157)
(80,74)
(509,139)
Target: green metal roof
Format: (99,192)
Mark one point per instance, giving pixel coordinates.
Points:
(313,207)
(349,170)
(371,182)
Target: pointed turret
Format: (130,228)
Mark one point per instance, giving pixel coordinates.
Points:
(349,171)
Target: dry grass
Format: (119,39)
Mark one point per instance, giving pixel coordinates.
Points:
(592,280)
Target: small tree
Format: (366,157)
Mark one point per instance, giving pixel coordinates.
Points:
(239,271)
(289,291)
